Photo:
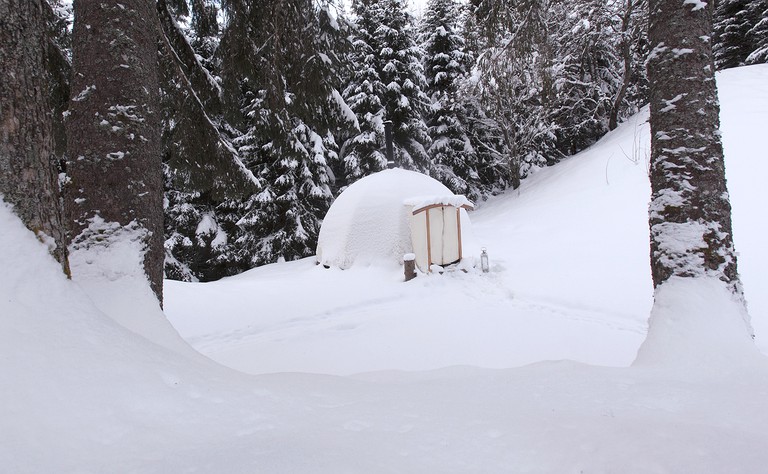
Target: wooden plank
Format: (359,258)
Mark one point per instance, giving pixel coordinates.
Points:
(429,247)
(458,229)
(432,206)
(409,267)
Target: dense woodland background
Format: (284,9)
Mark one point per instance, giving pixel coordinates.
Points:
(270,108)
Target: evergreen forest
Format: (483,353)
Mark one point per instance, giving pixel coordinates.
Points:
(270,109)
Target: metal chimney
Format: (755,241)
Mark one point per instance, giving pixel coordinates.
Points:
(388,140)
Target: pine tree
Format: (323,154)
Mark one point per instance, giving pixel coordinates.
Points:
(204,20)
(404,101)
(281,59)
(362,153)
(389,85)
(446,68)
(758,34)
(690,216)
(515,82)
(732,23)
(557,75)
(632,45)
(115,178)
(485,134)
(203,172)
(594,55)
(486,139)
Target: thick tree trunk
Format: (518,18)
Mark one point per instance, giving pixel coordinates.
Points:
(690,215)
(114,130)
(28,163)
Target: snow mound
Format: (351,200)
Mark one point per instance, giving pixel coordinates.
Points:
(698,323)
(72,376)
(368,222)
(110,271)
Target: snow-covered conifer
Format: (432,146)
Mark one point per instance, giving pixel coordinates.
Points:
(388,85)
(733,20)
(557,75)
(586,72)
(202,170)
(514,81)
(363,152)
(631,40)
(446,64)
(759,33)
(280,60)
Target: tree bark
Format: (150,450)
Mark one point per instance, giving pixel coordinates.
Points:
(28,163)
(690,215)
(113,130)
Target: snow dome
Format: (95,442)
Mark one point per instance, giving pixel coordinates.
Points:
(369,222)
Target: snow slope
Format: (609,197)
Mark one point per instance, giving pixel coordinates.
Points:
(84,390)
(569,256)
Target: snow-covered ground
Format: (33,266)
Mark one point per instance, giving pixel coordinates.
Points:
(570,276)
(454,373)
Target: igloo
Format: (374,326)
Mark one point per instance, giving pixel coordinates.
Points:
(384,216)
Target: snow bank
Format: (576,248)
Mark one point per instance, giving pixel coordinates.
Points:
(110,271)
(697,323)
(81,393)
(743,117)
(77,389)
(368,222)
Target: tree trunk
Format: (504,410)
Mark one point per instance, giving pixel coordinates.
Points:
(114,130)
(28,164)
(690,215)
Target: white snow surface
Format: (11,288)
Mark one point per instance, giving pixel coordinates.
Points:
(453,373)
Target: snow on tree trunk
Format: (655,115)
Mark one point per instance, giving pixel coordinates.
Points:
(116,188)
(28,171)
(690,215)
